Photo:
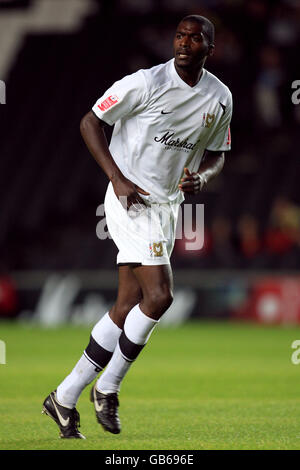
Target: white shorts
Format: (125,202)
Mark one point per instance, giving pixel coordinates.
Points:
(145,236)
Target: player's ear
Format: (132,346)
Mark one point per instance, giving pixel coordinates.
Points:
(211,50)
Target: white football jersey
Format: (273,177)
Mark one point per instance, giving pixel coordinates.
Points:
(163,125)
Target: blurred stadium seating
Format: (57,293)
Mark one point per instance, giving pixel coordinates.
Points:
(50,187)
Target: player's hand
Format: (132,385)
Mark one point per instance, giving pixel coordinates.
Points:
(192,183)
(128,193)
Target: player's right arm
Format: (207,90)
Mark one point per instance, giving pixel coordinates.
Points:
(93,134)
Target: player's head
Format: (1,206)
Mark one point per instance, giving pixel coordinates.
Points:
(194,41)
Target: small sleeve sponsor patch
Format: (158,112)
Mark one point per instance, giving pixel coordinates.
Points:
(108,103)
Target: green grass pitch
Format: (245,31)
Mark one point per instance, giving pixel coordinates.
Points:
(199,386)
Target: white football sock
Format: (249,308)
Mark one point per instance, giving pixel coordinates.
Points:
(70,389)
(106,333)
(104,338)
(137,330)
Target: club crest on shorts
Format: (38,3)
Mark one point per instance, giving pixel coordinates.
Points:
(156,249)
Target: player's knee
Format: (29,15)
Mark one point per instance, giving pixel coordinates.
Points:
(159,300)
(120,310)
(118,315)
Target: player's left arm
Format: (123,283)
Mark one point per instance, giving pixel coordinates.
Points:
(211,165)
(213,158)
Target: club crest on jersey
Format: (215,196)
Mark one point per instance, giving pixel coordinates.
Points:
(108,102)
(207,119)
(156,249)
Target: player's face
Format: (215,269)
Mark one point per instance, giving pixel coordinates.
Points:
(191,45)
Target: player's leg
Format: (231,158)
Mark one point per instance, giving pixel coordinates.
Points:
(129,294)
(134,238)
(156,284)
(103,340)
(106,332)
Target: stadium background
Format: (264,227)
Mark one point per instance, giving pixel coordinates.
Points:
(58,56)
(239,365)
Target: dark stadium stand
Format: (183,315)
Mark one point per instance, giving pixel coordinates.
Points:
(49,185)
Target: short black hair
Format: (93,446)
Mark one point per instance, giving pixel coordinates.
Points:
(208,27)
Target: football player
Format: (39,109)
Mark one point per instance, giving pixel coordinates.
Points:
(171,129)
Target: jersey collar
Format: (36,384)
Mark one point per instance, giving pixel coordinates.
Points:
(200,85)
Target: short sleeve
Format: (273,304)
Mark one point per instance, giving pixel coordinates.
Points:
(221,138)
(123,98)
